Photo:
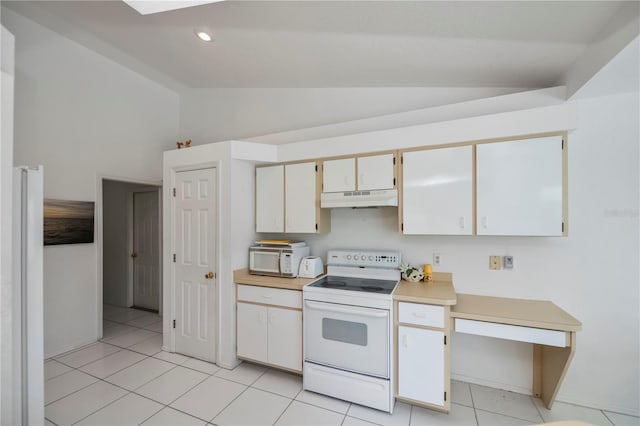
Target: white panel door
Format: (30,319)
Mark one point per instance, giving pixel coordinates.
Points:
(519,187)
(195,248)
(421,365)
(285,338)
(146,262)
(437,191)
(301,199)
(252,331)
(339,175)
(270,199)
(376,172)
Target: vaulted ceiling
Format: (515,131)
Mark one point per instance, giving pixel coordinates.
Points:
(528,44)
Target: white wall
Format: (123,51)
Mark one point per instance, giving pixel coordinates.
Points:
(82,116)
(212,115)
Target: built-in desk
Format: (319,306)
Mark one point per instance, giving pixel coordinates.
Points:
(551,330)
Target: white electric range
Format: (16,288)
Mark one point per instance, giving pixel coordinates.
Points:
(348,328)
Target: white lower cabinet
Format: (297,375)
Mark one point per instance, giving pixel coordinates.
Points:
(421,365)
(252,331)
(423,354)
(266,333)
(284,331)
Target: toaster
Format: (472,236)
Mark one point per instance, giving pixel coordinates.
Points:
(310,267)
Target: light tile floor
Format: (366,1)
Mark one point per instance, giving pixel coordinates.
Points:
(127,379)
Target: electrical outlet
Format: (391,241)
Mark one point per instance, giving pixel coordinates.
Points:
(494,262)
(507,262)
(437,259)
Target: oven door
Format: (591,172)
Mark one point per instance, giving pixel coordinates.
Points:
(348,337)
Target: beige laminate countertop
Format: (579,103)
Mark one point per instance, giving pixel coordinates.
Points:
(433,293)
(528,313)
(242,276)
(440,291)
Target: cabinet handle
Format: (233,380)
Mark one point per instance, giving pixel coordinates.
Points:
(262,317)
(270,318)
(461,222)
(485,222)
(266,296)
(419,315)
(405,341)
(346,180)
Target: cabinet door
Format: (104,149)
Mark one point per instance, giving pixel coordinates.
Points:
(252,331)
(270,199)
(376,172)
(285,338)
(421,365)
(339,175)
(519,187)
(301,197)
(437,191)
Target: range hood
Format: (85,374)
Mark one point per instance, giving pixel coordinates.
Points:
(373,198)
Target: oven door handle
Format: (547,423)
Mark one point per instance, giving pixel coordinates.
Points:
(351,310)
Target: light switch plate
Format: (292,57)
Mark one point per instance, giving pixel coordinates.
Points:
(507,262)
(495,262)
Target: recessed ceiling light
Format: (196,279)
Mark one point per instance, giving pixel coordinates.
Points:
(204,36)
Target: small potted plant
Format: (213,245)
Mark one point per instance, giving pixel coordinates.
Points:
(411,273)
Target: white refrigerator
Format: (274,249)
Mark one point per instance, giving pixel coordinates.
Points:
(27,307)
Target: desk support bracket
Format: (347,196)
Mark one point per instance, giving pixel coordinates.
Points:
(550,364)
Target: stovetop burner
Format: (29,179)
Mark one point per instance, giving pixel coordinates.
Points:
(367,285)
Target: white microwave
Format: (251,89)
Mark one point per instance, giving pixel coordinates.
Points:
(277,261)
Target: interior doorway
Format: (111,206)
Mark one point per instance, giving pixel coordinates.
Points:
(146,250)
(129,228)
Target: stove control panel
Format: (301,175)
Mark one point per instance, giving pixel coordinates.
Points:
(377,258)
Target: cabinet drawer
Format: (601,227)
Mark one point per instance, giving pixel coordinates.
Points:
(270,296)
(512,332)
(415,313)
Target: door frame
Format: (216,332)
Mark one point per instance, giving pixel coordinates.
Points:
(130,242)
(170,277)
(99,240)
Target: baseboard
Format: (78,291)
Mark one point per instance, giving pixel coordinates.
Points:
(491,384)
(230,366)
(599,406)
(70,348)
(560,398)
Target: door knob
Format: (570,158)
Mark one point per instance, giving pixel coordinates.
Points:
(209,275)
(134,255)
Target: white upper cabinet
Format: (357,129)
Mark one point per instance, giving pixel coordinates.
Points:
(287,199)
(339,175)
(520,187)
(376,172)
(437,191)
(270,199)
(361,173)
(300,204)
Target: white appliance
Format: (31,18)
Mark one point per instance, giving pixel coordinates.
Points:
(348,328)
(277,259)
(311,267)
(373,198)
(27,353)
